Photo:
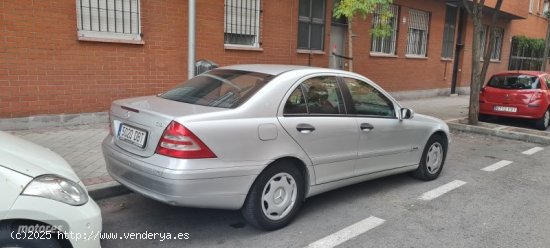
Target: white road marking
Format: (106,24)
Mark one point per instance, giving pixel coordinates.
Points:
(497,165)
(437,192)
(533,150)
(347,233)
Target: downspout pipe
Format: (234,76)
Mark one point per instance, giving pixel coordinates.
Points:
(191,41)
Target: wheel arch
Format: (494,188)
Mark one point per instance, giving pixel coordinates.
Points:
(64,242)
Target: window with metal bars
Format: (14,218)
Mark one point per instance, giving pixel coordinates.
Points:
(109,19)
(449,32)
(385,45)
(242,22)
(496,50)
(417,41)
(497,45)
(311,24)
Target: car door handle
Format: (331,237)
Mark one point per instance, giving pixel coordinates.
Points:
(365,127)
(305,128)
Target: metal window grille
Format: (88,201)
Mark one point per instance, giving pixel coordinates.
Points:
(525,58)
(111,16)
(449,32)
(385,45)
(311,24)
(242,22)
(483,39)
(497,45)
(418,32)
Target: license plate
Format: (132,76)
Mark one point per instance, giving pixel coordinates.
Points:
(506,109)
(132,135)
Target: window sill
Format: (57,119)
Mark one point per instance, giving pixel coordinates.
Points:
(496,61)
(383,55)
(110,40)
(243,48)
(320,52)
(446,59)
(415,57)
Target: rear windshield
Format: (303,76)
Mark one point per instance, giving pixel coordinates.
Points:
(517,81)
(219,88)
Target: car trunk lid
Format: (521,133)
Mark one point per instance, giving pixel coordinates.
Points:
(138,123)
(508,96)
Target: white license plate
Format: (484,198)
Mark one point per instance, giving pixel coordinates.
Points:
(132,135)
(506,109)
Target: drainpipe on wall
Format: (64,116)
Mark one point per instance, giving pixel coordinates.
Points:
(191,41)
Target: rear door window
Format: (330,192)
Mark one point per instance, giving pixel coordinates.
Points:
(515,82)
(219,88)
(318,95)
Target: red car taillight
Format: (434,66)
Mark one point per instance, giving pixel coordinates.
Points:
(535,99)
(178,142)
(482,95)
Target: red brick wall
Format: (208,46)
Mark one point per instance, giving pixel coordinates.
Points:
(401,73)
(44,69)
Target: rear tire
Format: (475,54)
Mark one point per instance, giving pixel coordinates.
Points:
(275,197)
(543,122)
(483,117)
(433,158)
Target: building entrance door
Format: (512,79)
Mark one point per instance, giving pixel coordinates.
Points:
(337,45)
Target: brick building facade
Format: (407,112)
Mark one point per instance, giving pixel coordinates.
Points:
(53,62)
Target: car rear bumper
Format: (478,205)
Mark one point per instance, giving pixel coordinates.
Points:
(523,111)
(223,187)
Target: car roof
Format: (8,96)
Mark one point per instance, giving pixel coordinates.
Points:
(275,69)
(531,73)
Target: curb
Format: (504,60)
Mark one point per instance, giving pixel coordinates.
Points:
(106,190)
(498,131)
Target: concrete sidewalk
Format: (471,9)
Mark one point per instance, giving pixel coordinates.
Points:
(81,145)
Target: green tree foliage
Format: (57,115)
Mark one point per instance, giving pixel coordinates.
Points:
(352,8)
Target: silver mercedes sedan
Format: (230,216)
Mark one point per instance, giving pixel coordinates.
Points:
(262,138)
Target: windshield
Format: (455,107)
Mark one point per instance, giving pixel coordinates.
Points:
(515,81)
(219,88)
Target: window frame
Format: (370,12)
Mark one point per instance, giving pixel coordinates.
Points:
(85,34)
(448,31)
(310,21)
(425,37)
(393,36)
(299,84)
(351,105)
(257,22)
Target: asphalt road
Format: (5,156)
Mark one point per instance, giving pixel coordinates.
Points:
(506,207)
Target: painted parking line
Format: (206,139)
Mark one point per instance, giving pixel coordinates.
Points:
(533,150)
(347,233)
(497,165)
(437,192)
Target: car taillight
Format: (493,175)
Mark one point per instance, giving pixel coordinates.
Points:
(481,95)
(178,142)
(536,100)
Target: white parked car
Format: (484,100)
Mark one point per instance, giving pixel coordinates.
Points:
(43,203)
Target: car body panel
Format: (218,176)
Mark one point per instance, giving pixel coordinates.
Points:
(80,220)
(13,184)
(251,137)
(31,159)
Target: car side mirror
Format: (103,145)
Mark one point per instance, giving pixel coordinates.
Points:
(406,113)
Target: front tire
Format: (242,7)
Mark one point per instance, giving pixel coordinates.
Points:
(275,197)
(433,158)
(10,237)
(543,122)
